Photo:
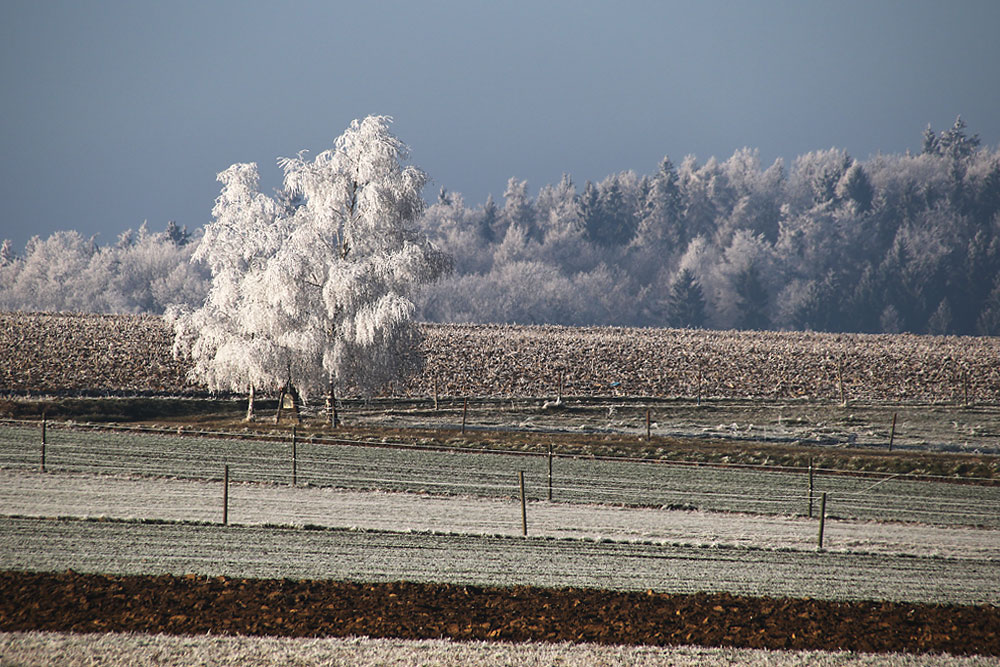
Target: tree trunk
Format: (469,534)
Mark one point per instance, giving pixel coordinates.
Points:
(331,406)
(250,407)
(281,404)
(288,389)
(296,401)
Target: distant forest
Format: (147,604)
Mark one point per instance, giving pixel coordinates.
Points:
(897,243)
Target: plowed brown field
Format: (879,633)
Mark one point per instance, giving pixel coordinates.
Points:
(75,602)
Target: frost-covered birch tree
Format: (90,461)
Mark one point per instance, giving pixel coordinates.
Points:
(313,292)
(343,281)
(229,338)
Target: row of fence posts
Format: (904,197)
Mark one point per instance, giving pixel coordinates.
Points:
(465,410)
(524,516)
(822,502)
(524,505)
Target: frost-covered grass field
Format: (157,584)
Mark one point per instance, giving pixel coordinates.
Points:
(81,495)
(132,650)
(381,556)
(745,489)
(940,426)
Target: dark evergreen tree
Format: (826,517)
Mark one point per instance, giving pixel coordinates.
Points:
(662,207)
(751,300)
(590,209)
(931,144)
(686,302)
(865,302)
(489,224)
(856,188)
(955,144)
(988,323)
(940,322)
(175,234)
(615,223)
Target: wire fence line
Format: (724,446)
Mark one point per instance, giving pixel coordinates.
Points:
(574,479)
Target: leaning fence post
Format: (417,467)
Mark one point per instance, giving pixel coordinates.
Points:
(524,511)
(225,495)
(822,518)
(892,432)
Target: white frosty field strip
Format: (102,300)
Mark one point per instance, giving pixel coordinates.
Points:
(257,551)
(494,475)
(83,495)
(141,650)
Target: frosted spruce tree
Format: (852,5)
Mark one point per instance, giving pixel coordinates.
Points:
(319,297)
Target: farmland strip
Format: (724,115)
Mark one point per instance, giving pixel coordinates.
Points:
(72,601)
(242,551)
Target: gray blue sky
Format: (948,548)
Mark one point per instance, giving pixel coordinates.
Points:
(119,112)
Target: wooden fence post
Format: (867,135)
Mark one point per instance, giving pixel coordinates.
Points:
(225,495)
(892,432)
(435,394)
(294,457)
(647,424)
(524,511)
(822,518)
(550,471)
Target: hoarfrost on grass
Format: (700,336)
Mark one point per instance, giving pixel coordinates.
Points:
(139,650)
(583,480)
(84,495)
(269,552)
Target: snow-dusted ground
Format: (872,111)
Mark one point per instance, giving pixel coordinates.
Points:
(270,552)
(84,495)
(750,489)
(137,650)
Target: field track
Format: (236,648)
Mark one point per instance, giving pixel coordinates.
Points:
(131,354)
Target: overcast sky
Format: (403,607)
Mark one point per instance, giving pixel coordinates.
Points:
(119,112)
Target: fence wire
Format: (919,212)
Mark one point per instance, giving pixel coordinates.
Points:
(575,479)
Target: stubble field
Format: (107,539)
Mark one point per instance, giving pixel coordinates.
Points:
(717,536)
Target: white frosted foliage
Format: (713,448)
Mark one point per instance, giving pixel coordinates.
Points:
(315,287)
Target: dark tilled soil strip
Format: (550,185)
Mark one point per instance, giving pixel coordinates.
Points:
(75,602)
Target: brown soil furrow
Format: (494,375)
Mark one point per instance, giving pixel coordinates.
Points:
(74,602)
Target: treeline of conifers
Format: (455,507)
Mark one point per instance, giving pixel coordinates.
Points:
(896,243)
